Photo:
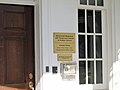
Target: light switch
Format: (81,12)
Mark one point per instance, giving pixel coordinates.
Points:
(54,69)
(47,68)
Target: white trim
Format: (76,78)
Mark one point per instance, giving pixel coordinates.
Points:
(38,45)
(91,7)
(104,44)
(111,43)
(94,46)
(18,2)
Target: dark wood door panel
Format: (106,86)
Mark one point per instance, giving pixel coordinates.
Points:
(15,60)
(16,46)
(16,19)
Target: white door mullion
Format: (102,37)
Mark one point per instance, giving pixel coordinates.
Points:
(85,21)
(94,61)
(86,46)
(87,2)
(94,21)
(94,71)
(86,60)
(94,48)
(86,71)
(95,2)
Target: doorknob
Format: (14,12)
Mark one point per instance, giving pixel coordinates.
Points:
(31,85)
(30,76)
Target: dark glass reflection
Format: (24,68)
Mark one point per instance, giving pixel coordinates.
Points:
(90,72)
(82,72)
(99,74)
(81,21)
(99,2)
(98,46)
(91,2)
(98,21)
(90,21)
(84,2)
(81,46)
(90,46)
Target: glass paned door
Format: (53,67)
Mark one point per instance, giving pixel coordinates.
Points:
(90,46)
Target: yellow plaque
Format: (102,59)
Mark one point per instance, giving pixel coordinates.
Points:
(64,57)
(64,42)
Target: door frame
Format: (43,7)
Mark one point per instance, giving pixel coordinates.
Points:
(37,33)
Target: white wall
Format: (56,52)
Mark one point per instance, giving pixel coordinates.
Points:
(116,44)
(57,16)
(61,16)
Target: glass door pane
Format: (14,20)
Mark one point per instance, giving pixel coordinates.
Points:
(90,46)
(99,77)
(99,2)
(91,2)
(98,46)
(90,72)
(82,72)
(81,45)
(84,2)
(89,21)
(98,21)
(81,21)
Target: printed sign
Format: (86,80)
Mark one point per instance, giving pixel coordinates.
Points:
(64,57)
(68,70)
(64,42)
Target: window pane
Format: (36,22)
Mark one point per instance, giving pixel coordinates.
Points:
(81,21)
(98,20)
(81,39)
(99,2)
(90,46)
(83,2)
(91,2)
(98,46)
(90,21)
(82,72)
(90,72)
(99,76)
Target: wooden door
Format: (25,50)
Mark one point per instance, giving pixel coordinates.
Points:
(16,47)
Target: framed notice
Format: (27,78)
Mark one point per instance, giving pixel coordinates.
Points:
(64,57)
(68,70)
(64,42)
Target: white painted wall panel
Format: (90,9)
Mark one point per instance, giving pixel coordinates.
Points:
(63,15)
(62,18)
(116,59)
(58,16)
